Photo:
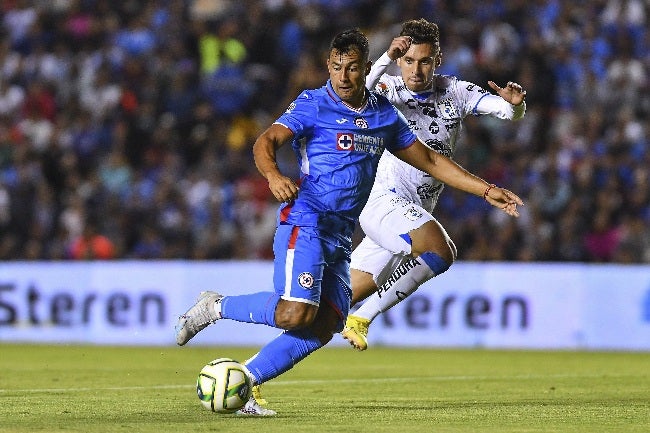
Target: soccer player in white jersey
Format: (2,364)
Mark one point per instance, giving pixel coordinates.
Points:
(405,245)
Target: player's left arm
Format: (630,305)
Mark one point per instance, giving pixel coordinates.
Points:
(452,174)
(512,93)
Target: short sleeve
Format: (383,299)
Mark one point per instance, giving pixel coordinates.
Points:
(300,114)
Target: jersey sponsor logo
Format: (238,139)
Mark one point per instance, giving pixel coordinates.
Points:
(361,122)
(341,121)
(428,191)
(428,108)
(290,107)
(348,141)
(344,141)
(439,146)
(451,126)
(306,280)
(396,275)
(413,124)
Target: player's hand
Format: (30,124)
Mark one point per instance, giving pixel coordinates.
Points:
(513,92)
(398,47)
(283,188)
(505,200)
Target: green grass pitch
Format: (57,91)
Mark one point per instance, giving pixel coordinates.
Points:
(131,389)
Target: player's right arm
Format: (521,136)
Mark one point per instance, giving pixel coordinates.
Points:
(264,151)
(398,47)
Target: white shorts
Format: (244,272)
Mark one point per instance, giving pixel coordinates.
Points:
(386,221)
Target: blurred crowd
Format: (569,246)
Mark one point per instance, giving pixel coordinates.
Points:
(126,127)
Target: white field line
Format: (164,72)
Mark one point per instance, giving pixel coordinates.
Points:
(325,381)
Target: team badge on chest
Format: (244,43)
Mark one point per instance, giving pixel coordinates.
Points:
(447,109)
(361,123)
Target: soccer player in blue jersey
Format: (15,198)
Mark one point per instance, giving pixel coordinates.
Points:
(338,133)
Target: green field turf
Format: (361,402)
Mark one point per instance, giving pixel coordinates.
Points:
(99,389)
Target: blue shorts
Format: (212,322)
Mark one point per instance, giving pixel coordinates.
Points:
(312,266)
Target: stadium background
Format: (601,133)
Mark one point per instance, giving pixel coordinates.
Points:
(135,121)
(126,131)
(125,119)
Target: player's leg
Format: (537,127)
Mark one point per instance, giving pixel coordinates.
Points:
(298,344)
(290,347)
(420,248)
(433,252)
(371,263)
(298,283)
(363,283)
(368,263)
(298,277)
(282,308)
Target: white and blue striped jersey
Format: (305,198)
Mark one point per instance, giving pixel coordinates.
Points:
(338,149)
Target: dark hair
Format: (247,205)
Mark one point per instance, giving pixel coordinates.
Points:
(422,32)
(351,40)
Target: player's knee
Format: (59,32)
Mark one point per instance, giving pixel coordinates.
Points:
(435,262)
(294,315)
(432,238)
(452,248)
(446,251)
(326,324)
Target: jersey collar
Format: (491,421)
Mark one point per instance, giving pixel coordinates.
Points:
(423,94)
(332,94)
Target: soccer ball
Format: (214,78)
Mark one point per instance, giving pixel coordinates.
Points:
(223,386)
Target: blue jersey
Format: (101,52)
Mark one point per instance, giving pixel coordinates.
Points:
(338,149)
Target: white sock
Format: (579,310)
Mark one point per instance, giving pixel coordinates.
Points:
(217,308)
(398,285)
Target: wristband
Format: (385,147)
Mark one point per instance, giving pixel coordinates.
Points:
(487,190)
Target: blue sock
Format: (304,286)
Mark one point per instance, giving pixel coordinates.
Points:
(253,308)
(437,264)
(282,353)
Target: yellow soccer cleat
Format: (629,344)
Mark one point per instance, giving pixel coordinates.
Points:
(257,395)
(356,332)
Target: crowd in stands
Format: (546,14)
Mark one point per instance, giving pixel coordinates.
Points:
(126,127)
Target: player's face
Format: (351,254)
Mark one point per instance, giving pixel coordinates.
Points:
(418,66)
(348,75)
